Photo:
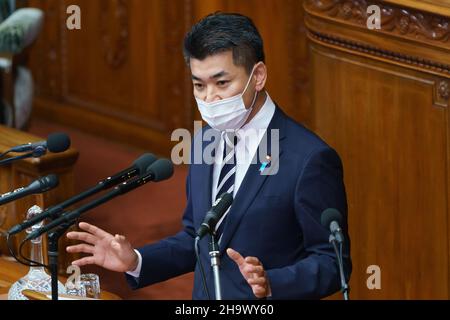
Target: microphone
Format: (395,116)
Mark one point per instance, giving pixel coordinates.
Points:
(214,214)
(161,169)
(332,219)
(139,166)
(40,185)
(56,142)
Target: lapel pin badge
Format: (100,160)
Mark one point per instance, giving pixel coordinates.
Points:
(265,163)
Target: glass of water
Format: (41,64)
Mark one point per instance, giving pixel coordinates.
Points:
(75,290)
(88,286)
(91,284)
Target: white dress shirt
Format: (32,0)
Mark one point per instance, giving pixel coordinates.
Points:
(250,136)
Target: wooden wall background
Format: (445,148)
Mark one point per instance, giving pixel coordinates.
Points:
(380,97)
(122,76)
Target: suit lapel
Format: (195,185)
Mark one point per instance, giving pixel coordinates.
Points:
(205,178)
(252,182)
(205,175)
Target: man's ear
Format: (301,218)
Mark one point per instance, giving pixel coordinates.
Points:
(260,74)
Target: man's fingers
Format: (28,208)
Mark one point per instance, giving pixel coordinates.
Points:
(96,231)
(235,256)
(84,261)
(251,269)
(120,239)
(84,248)
(82,236)
(252,260)
(116,245)
(259,291)
(261,281)
(258,270)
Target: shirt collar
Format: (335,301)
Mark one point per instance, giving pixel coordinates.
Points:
(258,125)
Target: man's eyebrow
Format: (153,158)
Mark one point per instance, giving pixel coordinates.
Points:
(217,75)
(220,74)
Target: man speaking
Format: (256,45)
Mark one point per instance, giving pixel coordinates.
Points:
(271,240)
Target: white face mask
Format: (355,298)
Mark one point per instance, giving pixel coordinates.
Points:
(229,113)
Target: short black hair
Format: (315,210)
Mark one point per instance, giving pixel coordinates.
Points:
(220,32)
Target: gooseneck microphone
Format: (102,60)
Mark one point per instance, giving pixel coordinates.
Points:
(219,208)
(40,185)
(139,167)
(332,219)
(214,214)
(56,142)
(161,169)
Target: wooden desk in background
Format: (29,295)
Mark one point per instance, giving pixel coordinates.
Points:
(11,271)
(21,173)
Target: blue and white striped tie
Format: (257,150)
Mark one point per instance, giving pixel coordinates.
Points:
(227,174)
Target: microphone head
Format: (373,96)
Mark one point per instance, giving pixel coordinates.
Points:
(223,202)
(44,184)
(329,215)
(143,162)
(161,169)
(58,142)
(49,182)
(213,216)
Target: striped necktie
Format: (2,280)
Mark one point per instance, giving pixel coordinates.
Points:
(227,173)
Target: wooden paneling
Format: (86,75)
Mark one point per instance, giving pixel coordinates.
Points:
(22,173)
(441,7)
(123,76)
(386,112)
(392,138)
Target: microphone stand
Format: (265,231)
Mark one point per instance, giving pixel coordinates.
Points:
(214,253)
(67,219)
(344,286)
(53,238)
(54,211)
(12,159)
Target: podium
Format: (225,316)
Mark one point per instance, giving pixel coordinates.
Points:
(23,172)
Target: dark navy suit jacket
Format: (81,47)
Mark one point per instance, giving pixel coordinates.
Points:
(275,218)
